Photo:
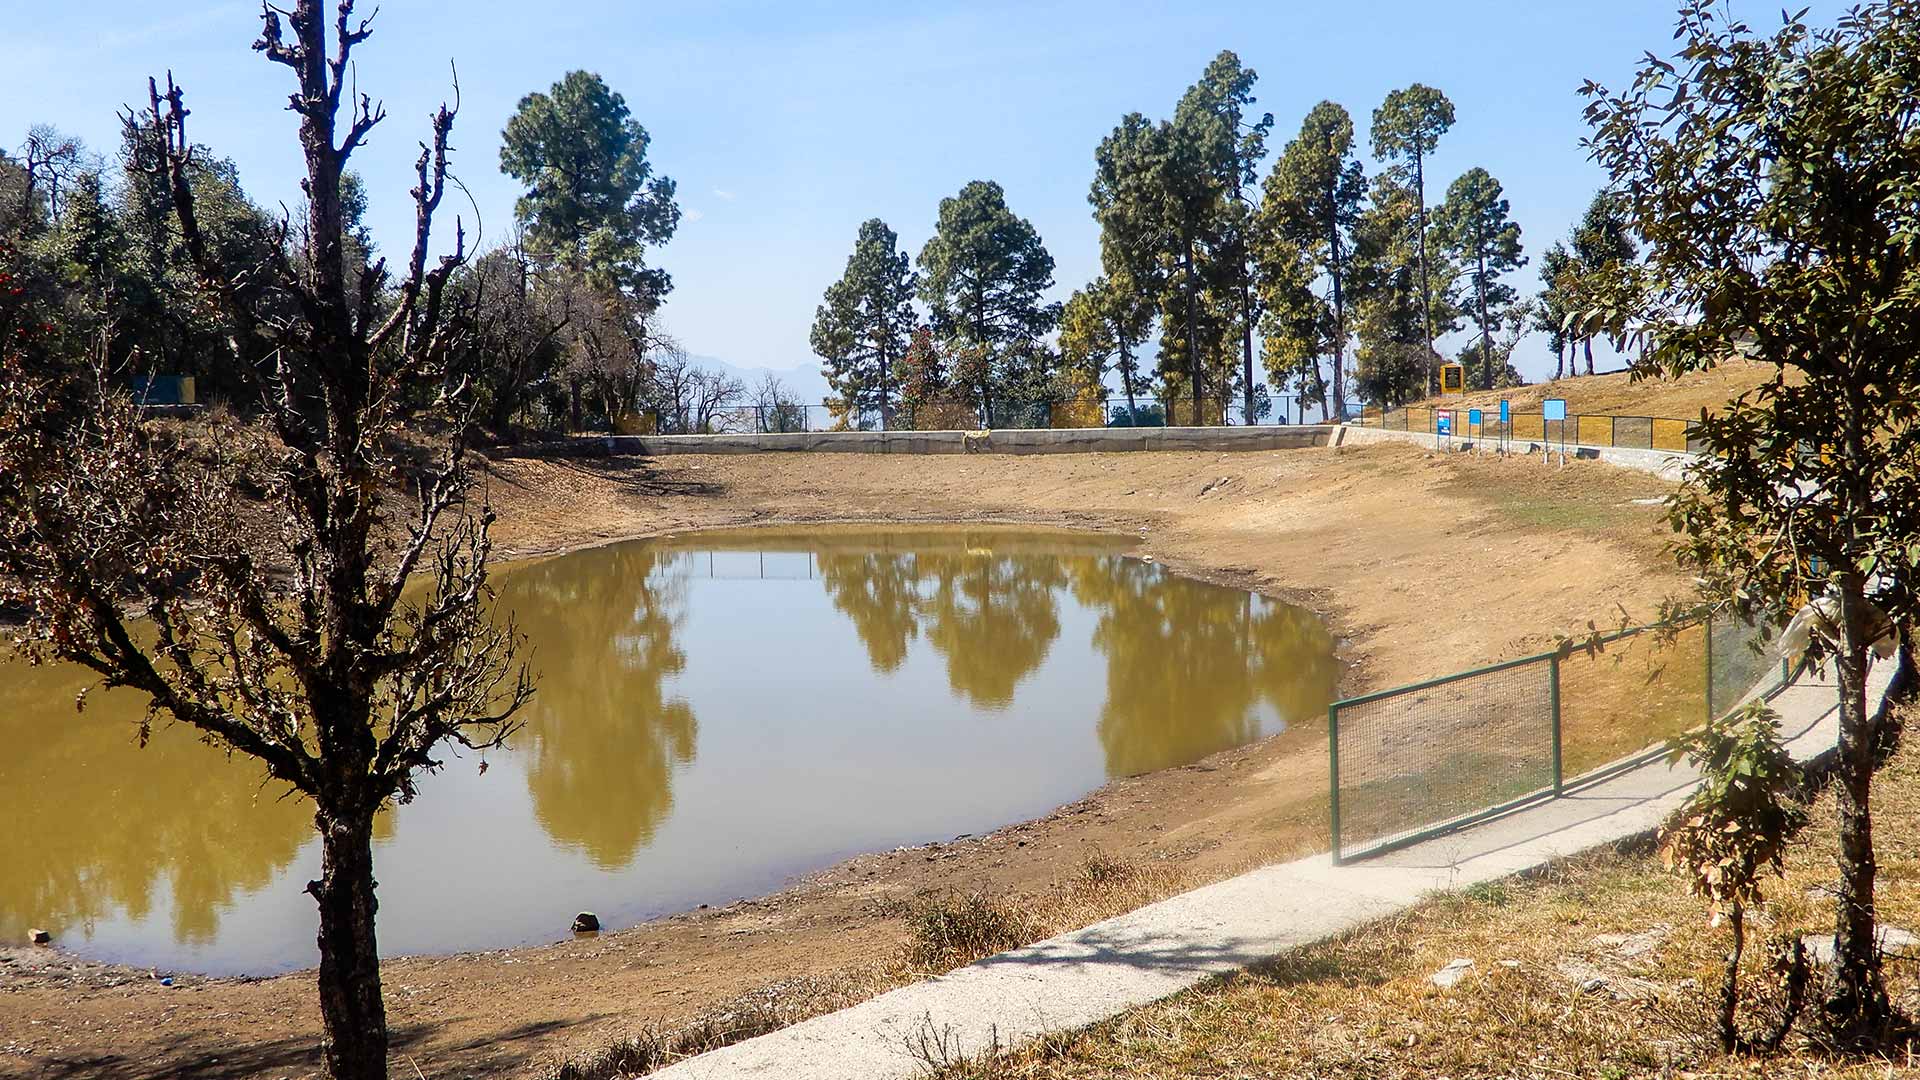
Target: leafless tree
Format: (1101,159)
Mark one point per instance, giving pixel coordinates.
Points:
(775,408)
(292,634)
(687,398)
(53,161)
(521,320)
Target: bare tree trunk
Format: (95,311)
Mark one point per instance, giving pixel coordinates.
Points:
(1486,333)
(1730,981)
(1246,359)
(1193,323)
(1857,1008)
(886,391)
(1126,374)
(1420,217)
(1589,347)
(1339,322)
(352,1011)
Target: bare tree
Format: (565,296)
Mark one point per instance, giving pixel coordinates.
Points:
(520,321)
(774,406)
(53,161)
(290,634)
(686,397)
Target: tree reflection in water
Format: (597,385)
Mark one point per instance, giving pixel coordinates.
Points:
(1095,662)
(91,824)
(602,737)
(1187,664)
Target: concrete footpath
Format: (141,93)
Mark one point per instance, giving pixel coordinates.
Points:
(1080,978)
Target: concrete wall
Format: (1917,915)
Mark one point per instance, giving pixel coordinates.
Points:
(1002,441)
(1668,464)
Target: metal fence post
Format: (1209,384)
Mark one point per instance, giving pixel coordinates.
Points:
(1333,775)
(1553,703)
(1707,628)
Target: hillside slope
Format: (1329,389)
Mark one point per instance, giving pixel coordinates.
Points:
(1619,395)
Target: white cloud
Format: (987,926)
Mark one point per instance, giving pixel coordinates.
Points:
(691,215)
(724,195)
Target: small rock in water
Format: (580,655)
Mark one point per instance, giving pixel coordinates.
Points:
(586,923)
(39,936)
(1449,977)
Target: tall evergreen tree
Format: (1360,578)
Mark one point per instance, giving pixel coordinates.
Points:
(1133,237)
(1406,128)
(592,199)
(1602,244)
(1558,302)
(864,323)
(983,275)
(1297,325)
(1475,225)
(1395,362)
(1213,114)
(1312,201)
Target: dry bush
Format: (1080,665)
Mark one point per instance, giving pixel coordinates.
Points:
(766,1009)
(951,929)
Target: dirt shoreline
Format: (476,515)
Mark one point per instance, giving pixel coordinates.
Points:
(1420,563)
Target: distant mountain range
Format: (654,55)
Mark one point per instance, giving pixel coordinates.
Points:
(805,381)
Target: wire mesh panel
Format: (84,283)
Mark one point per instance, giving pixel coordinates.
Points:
(1594,431)
(1633,432)
(1405,761)
(1631,693)
(1742,663)
(1669,434)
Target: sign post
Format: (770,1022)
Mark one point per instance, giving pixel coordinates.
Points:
(1453,379)
(1476,424)
(1550,410)
(1506,423)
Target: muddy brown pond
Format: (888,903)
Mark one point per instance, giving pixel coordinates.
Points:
(716,714)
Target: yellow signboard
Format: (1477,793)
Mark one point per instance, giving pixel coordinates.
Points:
(1453,379)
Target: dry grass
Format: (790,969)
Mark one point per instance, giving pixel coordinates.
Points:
(947,930)
(1681,398)
(951,929)
(1598,967)
(769,1008)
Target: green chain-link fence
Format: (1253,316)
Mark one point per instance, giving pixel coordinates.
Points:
(1413,762)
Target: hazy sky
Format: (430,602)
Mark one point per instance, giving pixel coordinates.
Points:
(787,124)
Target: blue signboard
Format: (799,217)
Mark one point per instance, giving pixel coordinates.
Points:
(1443,423)
(1505,410)
(1474,418)
(1553,409)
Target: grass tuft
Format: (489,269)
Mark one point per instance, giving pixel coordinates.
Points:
(951,929)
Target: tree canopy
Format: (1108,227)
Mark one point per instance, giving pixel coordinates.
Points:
(984,275)
(1475,223)
(863,325)
(1772,179)
(592,198)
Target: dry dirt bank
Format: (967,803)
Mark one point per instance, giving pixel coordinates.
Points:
(1422,563)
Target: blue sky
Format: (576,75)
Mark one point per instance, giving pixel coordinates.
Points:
(787,124)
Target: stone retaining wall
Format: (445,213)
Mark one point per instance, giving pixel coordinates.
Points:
(1003,441)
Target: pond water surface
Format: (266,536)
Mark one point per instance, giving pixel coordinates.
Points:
(716,714)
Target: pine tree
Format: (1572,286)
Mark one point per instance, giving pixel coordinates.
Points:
(863,325)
